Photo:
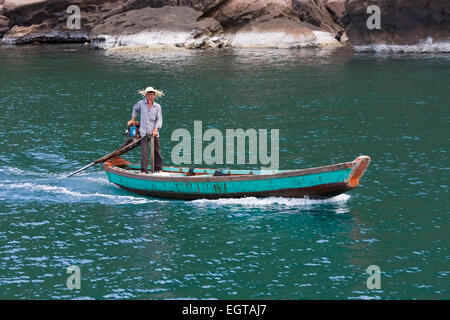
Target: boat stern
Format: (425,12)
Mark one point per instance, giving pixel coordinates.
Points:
(359,166)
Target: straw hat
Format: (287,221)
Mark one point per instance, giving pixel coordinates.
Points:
(158,93)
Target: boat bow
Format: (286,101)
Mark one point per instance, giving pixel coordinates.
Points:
(359,166)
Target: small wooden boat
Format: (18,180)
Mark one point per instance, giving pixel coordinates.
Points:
(190,183)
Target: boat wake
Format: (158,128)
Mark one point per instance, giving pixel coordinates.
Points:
(21,185)
(45,192)
(272,201)
(13,171)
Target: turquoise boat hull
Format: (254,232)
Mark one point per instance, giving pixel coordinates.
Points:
(191,184)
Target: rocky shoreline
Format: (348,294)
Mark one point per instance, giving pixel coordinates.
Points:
(406,25)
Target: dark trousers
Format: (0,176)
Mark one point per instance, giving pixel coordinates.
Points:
(144,154)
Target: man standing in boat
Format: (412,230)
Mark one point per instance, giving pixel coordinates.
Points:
(150,123)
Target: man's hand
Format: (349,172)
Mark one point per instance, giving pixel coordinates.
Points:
(131,122)
(155,132)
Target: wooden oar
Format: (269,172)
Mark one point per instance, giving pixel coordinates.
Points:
(113,154)
(153,152)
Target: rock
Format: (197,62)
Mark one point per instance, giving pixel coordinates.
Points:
(267,24)
(4,21)
(157,27)
(234,14)
(22,12)
(403,22)
(198,5)
(11,5)
(337,10)
(201,5)
(52,14)
(29,12)
(42,33)
(281,33)
(315,12)
(179,23)
(48,19)
(344,39)
(155,19)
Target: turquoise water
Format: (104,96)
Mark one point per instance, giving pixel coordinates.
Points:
(62,107)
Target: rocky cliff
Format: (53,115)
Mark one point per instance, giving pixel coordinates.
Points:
(221,23)
(4,21)
(404,24)
(180,23)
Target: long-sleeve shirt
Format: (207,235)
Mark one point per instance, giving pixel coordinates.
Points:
(151,117)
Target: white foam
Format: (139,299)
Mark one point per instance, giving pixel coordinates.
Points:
(13,171)
(271,201)
(243,39)
(282,40)
(426,46)
(155,39)
(27,186)
(103,180)
(279,40)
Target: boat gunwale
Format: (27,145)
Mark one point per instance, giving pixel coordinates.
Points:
(242,177)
